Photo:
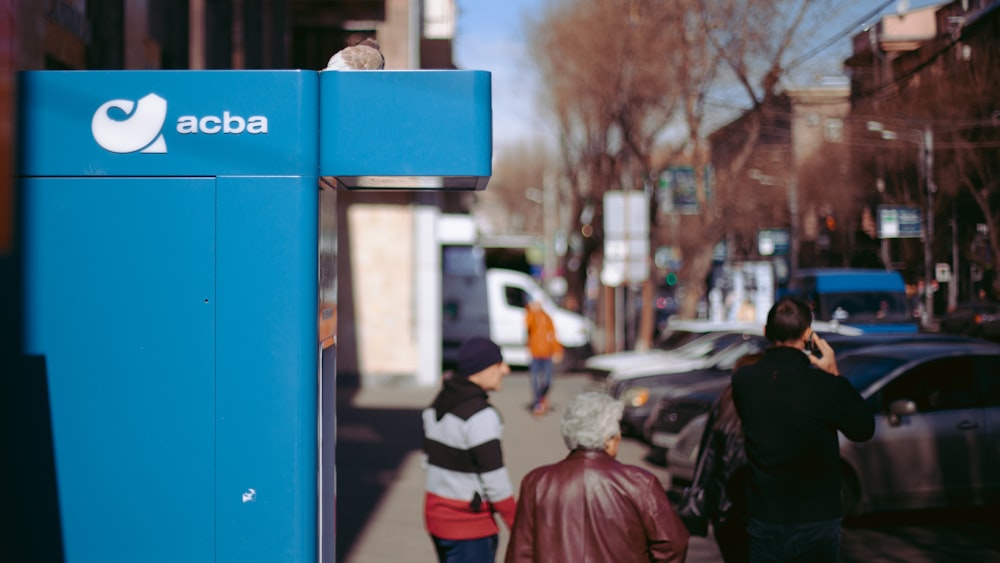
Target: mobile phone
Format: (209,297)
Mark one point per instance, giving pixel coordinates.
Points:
(812,348)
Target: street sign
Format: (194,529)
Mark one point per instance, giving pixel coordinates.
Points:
(677,190)
(771,242)
(626,238)
(942,272)
(899,221)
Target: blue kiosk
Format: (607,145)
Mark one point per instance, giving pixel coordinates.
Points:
(170,247)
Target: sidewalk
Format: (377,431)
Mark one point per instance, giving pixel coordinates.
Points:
(380,478)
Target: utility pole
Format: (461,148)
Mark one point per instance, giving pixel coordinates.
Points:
(925,163)
(549,226)
(953,282)
(928,158)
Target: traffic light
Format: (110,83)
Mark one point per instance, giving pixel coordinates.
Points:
(830,222)
(671,279)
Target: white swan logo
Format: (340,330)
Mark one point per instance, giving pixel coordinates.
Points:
(141,130)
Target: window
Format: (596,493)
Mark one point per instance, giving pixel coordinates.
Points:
(937,385)
(863,306)
(724,342)
(462,261)
(988,369)
(516,297)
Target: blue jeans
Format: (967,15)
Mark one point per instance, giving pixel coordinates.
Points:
(541,378)
(481,550)
(812,542)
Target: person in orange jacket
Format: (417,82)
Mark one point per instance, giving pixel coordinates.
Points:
(545,350)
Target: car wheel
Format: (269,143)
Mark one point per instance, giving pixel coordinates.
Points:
(850,493)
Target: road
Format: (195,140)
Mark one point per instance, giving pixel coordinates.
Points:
(930,536)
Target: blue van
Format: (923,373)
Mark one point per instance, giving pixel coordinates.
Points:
(869,299)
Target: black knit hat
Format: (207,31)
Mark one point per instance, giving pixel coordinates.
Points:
(475,355)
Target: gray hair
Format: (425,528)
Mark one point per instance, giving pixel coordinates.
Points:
(590,420)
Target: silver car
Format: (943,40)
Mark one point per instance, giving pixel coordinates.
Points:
(937,427)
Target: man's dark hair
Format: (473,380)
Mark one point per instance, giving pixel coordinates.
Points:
(788,319)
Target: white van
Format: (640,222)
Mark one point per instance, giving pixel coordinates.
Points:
(508,292)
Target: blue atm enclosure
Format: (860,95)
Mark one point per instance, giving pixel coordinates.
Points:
(171,283)
(170,248)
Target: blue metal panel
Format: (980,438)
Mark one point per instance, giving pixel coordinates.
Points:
(177,315)
(168,123)
(406,123)
(833,280)
(267,246)
(120,299)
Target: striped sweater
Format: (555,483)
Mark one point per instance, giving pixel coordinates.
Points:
(466,477)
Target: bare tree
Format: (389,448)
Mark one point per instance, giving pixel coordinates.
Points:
(752,40)
(980,176)
(610,69)
(966,136)
(621,73)
(518,176)
(919,104)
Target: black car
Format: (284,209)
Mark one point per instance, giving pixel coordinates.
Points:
(640,394)
(671,417)
(843,344)
(979,319)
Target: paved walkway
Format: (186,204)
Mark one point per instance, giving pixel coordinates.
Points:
(380,478)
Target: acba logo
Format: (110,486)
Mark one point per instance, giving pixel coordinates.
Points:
(228,123)
(124,126)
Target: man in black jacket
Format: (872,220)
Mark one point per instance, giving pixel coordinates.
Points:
(792,403)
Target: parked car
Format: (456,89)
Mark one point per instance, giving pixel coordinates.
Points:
(641,393)
(699,352)
(979,318)
(937,409)
(684,340)
(937,427)
(697,365)
(843,343)
(671,415)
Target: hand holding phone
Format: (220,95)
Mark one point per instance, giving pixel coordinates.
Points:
(812,348)
(821,354)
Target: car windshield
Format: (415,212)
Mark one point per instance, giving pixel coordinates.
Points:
(673,339)
(862,370)
(863,306)
(710,344)
(700,346)
(728,358)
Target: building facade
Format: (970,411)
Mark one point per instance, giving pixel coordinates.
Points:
(914,126)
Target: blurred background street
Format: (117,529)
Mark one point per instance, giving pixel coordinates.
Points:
(648,170)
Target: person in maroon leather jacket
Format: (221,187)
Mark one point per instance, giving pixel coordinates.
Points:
(590,507)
